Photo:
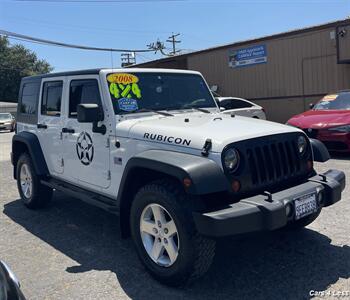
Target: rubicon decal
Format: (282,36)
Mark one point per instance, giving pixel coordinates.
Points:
(167,139)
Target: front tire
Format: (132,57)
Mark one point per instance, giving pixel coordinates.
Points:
(32,192)
(165,236)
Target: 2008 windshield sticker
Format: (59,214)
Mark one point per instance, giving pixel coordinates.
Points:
(124,87)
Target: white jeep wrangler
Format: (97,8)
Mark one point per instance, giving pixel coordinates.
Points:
(151,146)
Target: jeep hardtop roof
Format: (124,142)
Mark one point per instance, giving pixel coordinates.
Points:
(108,70)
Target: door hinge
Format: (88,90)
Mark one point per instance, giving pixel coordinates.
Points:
(62,162)
(61,135)
(108,143)
(108,175)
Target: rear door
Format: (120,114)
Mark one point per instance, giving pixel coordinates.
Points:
(50,123)
(86,153)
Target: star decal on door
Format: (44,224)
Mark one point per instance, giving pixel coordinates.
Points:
(85,148)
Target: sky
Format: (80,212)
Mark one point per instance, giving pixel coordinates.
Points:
(134,24)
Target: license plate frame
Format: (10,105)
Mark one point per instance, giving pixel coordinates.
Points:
(305,205)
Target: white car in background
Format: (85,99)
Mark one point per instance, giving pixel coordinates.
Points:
(241,107)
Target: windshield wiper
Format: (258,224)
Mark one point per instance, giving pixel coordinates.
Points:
(201,109)
(153,110)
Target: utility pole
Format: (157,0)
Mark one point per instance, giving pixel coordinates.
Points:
(172,39)
(128,59)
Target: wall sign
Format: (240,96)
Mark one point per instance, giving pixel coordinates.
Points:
(247,56)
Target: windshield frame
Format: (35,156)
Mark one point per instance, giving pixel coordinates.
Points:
(118,112)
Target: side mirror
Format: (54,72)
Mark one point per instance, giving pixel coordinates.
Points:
(91,113)
(9,284)
(311,105)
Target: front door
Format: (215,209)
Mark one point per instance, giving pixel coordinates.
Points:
(50,123)
(86,153)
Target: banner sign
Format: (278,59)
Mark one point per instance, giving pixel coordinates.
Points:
(247,56)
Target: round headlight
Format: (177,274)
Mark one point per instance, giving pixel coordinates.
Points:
(231,159)
(302,144)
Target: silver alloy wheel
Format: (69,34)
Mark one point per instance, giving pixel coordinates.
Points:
(26,181)
(159,235)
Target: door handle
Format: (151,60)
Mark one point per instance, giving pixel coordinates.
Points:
(41,126)
(67,130)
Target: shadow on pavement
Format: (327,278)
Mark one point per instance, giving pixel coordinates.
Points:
(283,264)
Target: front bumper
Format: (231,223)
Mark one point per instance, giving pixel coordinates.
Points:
(264,212)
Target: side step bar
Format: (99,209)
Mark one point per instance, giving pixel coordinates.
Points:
(89,197)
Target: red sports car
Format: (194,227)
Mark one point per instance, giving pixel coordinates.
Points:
(328,121)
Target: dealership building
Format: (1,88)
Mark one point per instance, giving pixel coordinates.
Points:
(284,72)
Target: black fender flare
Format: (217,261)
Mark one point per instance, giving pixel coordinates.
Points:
(319,150)
(31,142)
(205,175)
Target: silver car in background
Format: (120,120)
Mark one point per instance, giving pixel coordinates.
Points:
(7,122)
(241,107)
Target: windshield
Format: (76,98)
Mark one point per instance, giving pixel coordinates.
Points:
(131,92)
(339,101)
(5,116)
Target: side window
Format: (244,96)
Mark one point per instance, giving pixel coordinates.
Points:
(83,91)
(29,98)
(51,99)
(236,103)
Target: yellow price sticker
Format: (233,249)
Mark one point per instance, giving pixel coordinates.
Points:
(123,78)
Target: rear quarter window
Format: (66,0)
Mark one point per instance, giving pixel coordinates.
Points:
(29,99)
(27,109)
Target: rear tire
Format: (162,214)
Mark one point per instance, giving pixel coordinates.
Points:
(33,193)
(193,253)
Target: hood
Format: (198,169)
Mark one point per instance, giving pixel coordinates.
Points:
(321,119)
(193,129)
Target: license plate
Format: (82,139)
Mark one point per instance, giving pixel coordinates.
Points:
(305,205)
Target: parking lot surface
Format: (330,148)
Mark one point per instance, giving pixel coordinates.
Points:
(70,250)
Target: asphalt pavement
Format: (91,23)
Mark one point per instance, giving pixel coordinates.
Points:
(71,250)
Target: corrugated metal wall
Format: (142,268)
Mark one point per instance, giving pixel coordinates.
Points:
(297,65)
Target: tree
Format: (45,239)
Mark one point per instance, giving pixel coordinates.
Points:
(16,62)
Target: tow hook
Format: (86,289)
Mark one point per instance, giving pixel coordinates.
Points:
(324,177)
(269,196)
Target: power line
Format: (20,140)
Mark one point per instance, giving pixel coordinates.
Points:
(172,39)
(84,28)
(98,1)
(60,44)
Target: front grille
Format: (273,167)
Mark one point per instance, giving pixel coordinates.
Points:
(273,162)
(269,163)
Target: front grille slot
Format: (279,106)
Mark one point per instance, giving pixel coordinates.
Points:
(273,162)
